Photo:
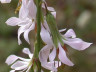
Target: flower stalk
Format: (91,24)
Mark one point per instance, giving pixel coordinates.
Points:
(38,42)
(38,25)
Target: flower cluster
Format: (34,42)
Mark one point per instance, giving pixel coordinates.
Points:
(53,53)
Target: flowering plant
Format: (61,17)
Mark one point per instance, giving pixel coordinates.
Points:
(49,47)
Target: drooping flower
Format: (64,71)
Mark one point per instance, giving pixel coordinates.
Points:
(5,1)
(69,38)
(20,64)
(26,20)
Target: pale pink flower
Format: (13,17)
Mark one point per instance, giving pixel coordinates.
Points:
(69,39)
(20,64)
(26,20)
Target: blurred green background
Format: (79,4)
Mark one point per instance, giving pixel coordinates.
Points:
(79,15)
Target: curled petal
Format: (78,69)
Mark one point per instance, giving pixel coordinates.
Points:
(63,57)
(70,33)
(11,59)
(77,43)
(19,65)
(13,21)
(27,32)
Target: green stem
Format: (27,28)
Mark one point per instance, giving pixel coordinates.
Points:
(38,38)
(38,24)
(38,42)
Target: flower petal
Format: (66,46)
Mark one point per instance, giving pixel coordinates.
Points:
(52,55)
(57,63)
(12,71)
(77,43)
(20,31)
(19,65)
(11,59)
(46,25)
(49,66)
(45,36)
(44,53)
(24,59)
(62,30)
(5,1)
(43,56)
(13,21)
(27,32)
(70,33)
(51,9)
(63,58)
(32,9)
(27,51)
(23,13)
(54,14)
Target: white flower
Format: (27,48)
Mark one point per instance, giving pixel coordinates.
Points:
(26,20)
(69,39)
(19,63)
(5,1)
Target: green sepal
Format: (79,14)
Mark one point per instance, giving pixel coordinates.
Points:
(38,64)
(31,69)
(56,36)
